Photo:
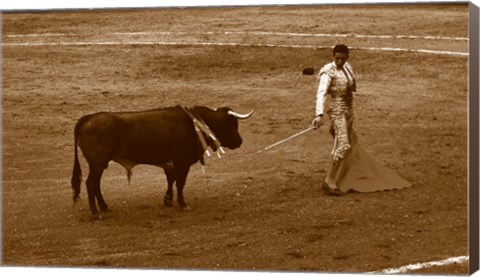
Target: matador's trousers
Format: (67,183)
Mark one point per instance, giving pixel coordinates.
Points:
(342,131)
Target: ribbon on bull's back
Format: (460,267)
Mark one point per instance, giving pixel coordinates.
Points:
(200,129)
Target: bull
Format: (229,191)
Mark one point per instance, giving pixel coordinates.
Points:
(165,137)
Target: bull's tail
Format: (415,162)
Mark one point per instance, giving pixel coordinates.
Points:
(77,170)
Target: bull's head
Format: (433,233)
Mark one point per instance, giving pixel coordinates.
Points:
(224,125)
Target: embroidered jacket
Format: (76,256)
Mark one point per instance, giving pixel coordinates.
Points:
(339,83)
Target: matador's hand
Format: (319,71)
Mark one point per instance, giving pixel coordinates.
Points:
(317,122)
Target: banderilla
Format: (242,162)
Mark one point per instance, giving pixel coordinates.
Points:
(287,139)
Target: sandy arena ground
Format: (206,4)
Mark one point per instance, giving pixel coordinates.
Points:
(264,212)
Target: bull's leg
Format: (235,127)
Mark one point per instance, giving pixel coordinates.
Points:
(181,176)
(93,188)
(98,193)
(168,199)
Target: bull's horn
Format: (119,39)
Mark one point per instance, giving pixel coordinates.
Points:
(241,116)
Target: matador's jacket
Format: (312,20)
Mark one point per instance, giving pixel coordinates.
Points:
(340,84)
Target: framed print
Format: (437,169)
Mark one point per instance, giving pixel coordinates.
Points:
(271,138)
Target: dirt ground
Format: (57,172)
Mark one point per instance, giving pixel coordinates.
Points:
(250,211)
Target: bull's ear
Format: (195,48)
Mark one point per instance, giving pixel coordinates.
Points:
(241,116)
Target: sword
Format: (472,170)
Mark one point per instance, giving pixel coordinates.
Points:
(287,139)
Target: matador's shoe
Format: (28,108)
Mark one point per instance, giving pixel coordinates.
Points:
(333,191)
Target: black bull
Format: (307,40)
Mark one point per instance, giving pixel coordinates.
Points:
(163,137)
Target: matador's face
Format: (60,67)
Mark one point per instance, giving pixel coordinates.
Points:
(340,59)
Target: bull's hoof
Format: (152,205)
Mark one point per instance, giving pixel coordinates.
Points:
(95,216)
(104,208)
(167,201)
(185,208)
